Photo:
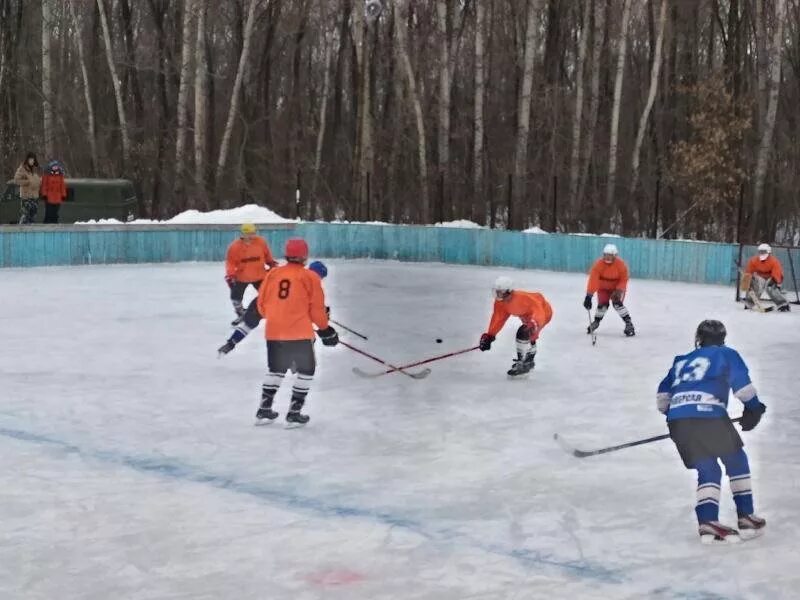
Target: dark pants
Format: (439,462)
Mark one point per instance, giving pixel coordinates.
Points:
(701,439)
(27,210)
(51,212)
(297,355)
(238,288)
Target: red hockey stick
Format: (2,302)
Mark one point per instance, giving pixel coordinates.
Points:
(420,375)
(414,364)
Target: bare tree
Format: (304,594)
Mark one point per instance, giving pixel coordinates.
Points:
(651,96)
(200,100)
(524,111)
(47,79)
(479,204)
(765,145)
(87,90)
(183,98)
(622,46)
(400,11)
(236,92)
(123,122)
(330,40)
(577,123)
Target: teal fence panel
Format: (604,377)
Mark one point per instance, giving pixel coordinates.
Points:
(651,259)
(33,246)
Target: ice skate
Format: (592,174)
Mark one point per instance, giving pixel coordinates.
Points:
(522,366)
(629,330)
(295,418)
(265,415)
(593,326)
(714,532)
(225,348)
(751,526)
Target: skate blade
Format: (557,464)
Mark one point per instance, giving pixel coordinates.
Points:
(712,540)
(263,422)
(520,376)
(751,534)
(294,425)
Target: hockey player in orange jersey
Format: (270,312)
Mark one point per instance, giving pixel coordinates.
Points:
(768,273)
(609,279)
(246,263)
(292,301)
(533,310)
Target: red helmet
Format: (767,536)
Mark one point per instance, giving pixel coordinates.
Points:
(296,249)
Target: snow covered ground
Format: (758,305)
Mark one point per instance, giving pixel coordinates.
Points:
(129,466)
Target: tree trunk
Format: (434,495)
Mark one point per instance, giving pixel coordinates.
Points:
(123,122)
(183,101)
(765,146)
(47,80)
(200,103)
(87,91)
(598,33)
(444,104)
(524,116)
(236,93)
(401,11)
(651,96)
(479,202)
(330,40)
(577,124)
(612,147)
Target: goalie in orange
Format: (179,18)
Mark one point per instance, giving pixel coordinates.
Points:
(767,275)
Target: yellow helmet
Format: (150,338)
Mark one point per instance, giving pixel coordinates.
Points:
(248,229)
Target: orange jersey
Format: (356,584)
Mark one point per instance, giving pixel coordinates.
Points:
(245,261)
(770,268)
(528,306)
(291,300)
(605,276)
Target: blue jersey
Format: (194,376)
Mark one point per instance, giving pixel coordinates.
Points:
(699,383)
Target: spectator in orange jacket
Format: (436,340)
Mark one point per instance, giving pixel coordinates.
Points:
(246,263)
(292,301)
(609,279)
(53,190)
(533,310)
(768,273)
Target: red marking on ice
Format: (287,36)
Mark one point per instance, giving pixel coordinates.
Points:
(336,577)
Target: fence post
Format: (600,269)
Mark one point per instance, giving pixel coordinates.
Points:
(739,214)
(655,212)
(510,198)
(441,197)
(555,203)
(368,195)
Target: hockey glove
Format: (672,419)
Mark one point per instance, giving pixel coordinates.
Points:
(587,302)
(328,336)
(230,280)
(486,342)
(751,416)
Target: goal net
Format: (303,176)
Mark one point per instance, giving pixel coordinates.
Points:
(790,261)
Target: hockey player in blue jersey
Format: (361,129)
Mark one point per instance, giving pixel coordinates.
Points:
(694,397)
(251,317)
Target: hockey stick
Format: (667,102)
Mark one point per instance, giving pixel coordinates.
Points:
(592,331)
(420,375)
(584,453)
(363,337)
(414,364)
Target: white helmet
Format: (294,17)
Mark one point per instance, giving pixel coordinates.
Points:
(610,249)
(764,251)
(503,286)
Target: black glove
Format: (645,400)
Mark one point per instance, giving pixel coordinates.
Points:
(328,336)
(486,342)
(587,302)
(751,416)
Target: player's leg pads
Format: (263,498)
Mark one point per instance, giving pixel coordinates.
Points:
(621,309)
(523,341)
(601,311)
(738,469)
(709,476)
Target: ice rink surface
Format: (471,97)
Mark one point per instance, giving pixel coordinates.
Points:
(130,467)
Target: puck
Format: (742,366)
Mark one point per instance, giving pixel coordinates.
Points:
(438,340)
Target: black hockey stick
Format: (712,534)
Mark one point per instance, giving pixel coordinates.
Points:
(419,375)
(346,328)
(584,453)
(592,331)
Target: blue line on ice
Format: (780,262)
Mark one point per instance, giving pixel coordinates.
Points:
(176,470)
